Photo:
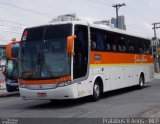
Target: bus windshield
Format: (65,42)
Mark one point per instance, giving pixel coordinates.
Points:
(12,69)
(43,53)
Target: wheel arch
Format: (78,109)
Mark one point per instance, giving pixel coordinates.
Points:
(101,82)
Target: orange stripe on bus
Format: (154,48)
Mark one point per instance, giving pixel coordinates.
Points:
(52,81)
(119,58)
(122,64)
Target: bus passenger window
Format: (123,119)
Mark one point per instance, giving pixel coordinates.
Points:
(131,48)
(108,47)
(140,50)
(100,41)
(113,47)
(93,40)
(107,41)
(97,40)
(119,48)
(93,45)
(123,48)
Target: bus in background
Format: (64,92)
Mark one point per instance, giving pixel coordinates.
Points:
(3,60)
(74,59)
(11,71)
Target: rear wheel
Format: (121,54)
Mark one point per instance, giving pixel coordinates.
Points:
(96,91)
(141,82)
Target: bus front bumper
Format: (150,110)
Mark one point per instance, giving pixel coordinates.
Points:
(66,92)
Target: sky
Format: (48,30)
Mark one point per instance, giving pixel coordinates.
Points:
(15,15)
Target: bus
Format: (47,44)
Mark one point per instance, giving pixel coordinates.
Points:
(2,63)
(74,59)
(2,69)
(11,71)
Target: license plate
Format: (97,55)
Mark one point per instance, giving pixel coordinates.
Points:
(41,94)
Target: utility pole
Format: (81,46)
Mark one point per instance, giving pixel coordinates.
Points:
(118,6)
(155,27)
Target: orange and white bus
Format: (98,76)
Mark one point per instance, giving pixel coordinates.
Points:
(73,59)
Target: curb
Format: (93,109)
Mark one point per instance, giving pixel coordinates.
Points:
(156,75)
(152,113)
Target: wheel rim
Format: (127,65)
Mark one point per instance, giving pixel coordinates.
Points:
(96,90)
(141,82)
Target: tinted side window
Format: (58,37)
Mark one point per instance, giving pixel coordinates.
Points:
(140,46)
(123,43)
(97,40)
(147,47)
(110,41)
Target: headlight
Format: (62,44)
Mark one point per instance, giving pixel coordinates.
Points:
(62,84)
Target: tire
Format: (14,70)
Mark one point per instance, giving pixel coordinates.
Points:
(54,101)
(96,91)
(141,82)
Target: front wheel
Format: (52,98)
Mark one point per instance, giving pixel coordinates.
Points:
(96,91)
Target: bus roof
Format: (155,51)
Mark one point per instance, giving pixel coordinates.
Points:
(98,26)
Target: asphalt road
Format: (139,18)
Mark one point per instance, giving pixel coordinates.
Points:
(129,102)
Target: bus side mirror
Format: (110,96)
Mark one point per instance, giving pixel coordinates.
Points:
(70,44)
(9,50)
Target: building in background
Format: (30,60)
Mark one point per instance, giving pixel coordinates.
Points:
(121,22)
(103,22)
(67,17)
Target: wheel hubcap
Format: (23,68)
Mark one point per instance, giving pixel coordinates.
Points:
(141,82)
(96,90)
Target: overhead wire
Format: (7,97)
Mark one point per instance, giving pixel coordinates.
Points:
(10,31)
(109,3)
(28,10)
(4,20)
(16,29)
(8,26)
(146,19)
(99,2)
